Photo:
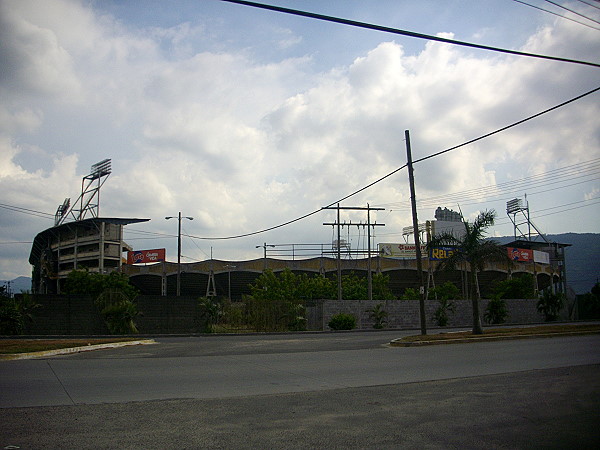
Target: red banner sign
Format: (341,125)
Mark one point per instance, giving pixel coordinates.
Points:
(520,254)
(146,256)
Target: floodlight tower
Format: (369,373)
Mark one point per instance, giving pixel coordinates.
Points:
(90,190)
(516,207)
(89,200)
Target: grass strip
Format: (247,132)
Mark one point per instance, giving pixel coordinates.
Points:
(14,346)
(496,332)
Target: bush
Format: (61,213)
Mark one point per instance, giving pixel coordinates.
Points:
(410,294)
(118,310)
(550,304)
(496,311)
(378,315)
(517,287)
(441,313)
(16,312)
(342,321)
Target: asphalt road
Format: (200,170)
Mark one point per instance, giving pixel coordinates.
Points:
(307,391)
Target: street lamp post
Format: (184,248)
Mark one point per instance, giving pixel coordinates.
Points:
(264,246)
(179,249)
(229,267)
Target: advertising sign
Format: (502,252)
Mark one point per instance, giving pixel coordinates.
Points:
(439,253)
(146,256)
(541,257)
(403,251)
(520,254)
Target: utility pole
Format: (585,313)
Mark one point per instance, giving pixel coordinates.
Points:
(369,225)
(413,203)
(179,249)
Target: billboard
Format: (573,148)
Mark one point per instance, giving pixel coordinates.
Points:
(520,254)
(402,251)
(146,256)
(439,253)
(541,257)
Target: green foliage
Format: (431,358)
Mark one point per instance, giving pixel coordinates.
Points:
(354,287)
(550,304)
(342,321)
(446,291)
(86,283)
(381,287)
(378,315)
(517,287)
(211,311)
(118,310)
(496,311)
(589,304)
(410,294)
(441,313)
(16,312)
(277,302)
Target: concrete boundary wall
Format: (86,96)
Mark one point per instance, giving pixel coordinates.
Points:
(405,313)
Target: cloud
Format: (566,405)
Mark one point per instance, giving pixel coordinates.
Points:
(242,144)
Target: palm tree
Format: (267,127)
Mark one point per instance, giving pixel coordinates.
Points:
(473,249)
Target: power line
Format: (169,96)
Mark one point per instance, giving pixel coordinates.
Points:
(565,174)
(508,126)
(396,170)
(571,11)
(403,32)
(30,212)
(559,15)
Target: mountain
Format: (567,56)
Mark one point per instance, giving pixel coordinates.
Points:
(18,284)
(582,258)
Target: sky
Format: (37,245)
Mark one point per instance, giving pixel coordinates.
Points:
(247,119)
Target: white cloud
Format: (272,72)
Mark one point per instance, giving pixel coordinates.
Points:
(242,144)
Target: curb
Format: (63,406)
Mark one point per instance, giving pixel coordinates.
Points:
(398,342)
(66,351)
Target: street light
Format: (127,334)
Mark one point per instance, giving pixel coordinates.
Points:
(179,249)
(264,246)
(229,267)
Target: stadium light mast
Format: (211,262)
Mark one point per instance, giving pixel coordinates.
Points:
(179,217)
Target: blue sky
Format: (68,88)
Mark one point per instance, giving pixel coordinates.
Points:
(246,119)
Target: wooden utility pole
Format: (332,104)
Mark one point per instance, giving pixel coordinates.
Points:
(413,203)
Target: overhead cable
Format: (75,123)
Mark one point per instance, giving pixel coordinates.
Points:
(397,31)
(571,11)
(559,15)
(508,126)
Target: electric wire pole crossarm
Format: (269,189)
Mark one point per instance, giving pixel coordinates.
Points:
(179,217)
(339,257)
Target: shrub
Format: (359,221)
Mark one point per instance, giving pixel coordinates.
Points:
(410,294)
(211,312)
(342,321)
(550,304)
(441,313)
(118,310)
(517,287)
(378,315)
(496,311)
(16,312)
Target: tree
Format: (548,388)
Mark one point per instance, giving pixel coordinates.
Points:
(517,287)
(474,250)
